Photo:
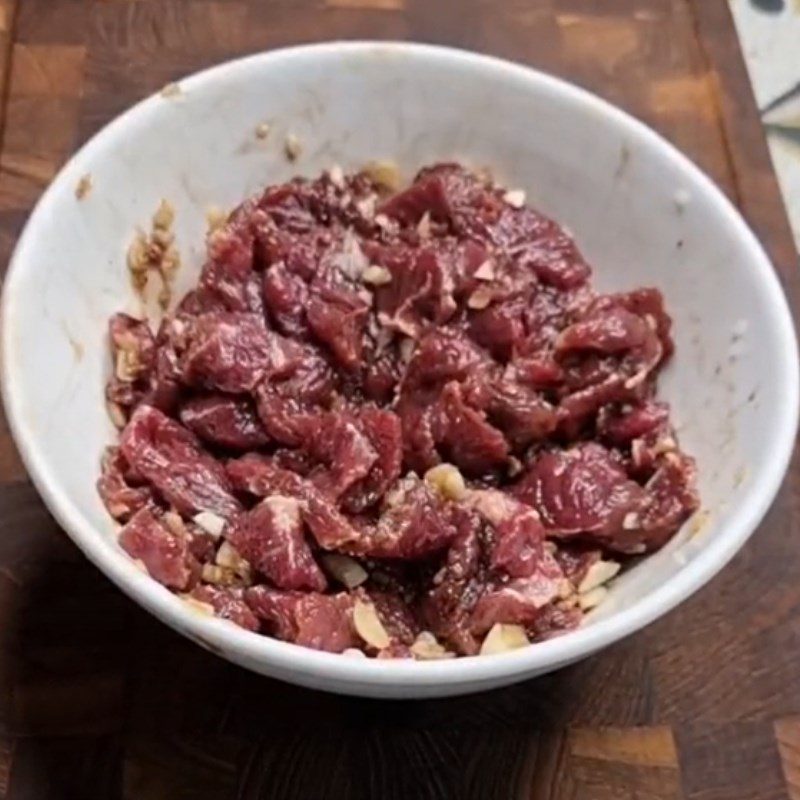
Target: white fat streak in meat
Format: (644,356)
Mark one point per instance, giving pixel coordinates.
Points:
(351,261)
(496,506)
(366,206)
(285,517)
(285,511)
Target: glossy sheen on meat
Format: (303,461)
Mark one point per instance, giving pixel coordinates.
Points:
(271,537)
(279,426)
(172,460)
(165,555)
(228,604)
(117,489)
(229,422)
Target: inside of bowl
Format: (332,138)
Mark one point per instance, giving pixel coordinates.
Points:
(640,216)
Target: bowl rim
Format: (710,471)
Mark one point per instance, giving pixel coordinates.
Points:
(349,673)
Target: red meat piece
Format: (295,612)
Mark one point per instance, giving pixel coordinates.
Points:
(612,331)
(228,603)
(671,499)
(446,606)
(535,243)
(234,351)
(583,490)
(165,389)
(171,459)
(133,343)
(443,355)
(289,404)
(516,547)
(578,409)
(554,620)
(575,561)
(620,426)
(500,328)
(423,196)
(520,601)
(134,353)
(286,299)
(415,524)
(645,302)
(260,476)
(338,318)
(347,451)
(381,375)
(121,498)
(519,411)
(226,279)
(226,421)
(468,439)
(271,538)
(395,615)
(384,432)
(420,416)
(165,555)
(319,621)
(538,372)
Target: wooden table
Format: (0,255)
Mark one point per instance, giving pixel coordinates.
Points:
(101,701)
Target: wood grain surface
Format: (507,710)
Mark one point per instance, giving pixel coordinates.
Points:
(98,700)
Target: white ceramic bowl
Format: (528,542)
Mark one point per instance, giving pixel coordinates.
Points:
(642,213)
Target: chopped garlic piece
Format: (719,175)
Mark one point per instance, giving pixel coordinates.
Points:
(127,366)
(84,187)
(229,558)
(197,605)
(262,130)
(514,467)
(504,638)
(171,90)
(384,173)
(292,147)
(593,598)
(336,175)
(210,522)
(377,276)
(407,347)
(427,648)
(215,218)
(346,570)
(515,198)
(164,216)
(369,626)
(485,271)
(447,480)
(630,521)
(480,298)
(599,573)
(424,226)
(219,576)
(116,414)
(175,523)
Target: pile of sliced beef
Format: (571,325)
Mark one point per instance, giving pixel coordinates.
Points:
(391,423)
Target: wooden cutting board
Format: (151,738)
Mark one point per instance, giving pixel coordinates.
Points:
(101,701)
